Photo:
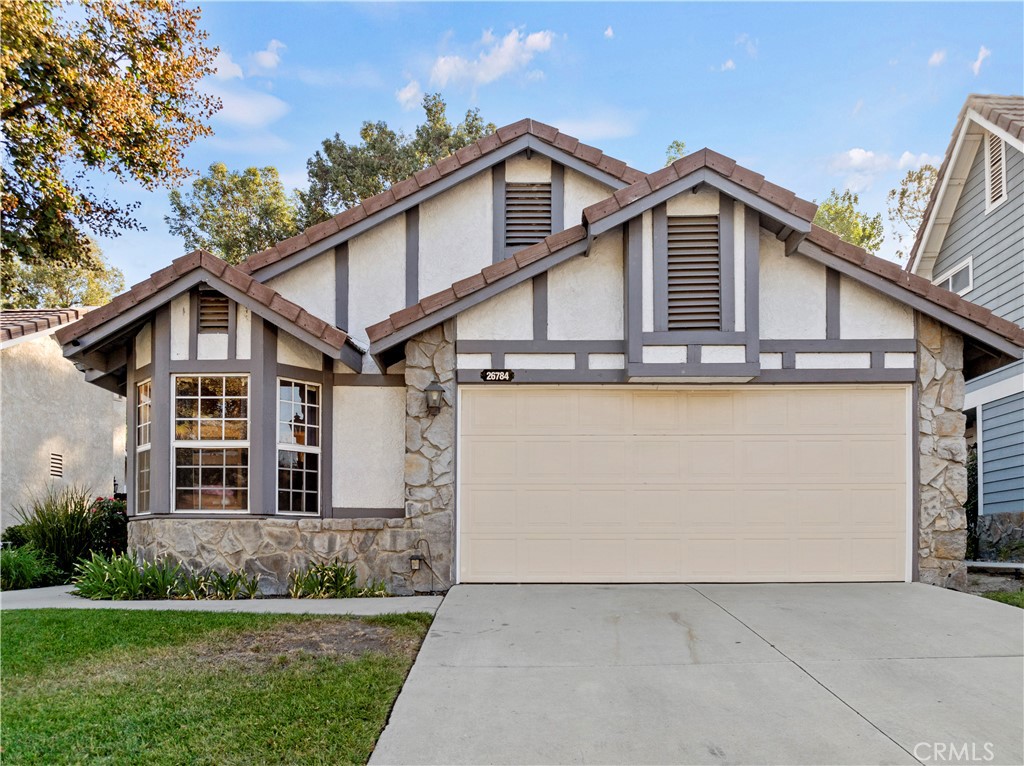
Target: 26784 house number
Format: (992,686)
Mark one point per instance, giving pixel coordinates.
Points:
(496,376)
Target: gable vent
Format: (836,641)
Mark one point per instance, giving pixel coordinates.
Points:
(996,170)
(213,312)
(56,465)
(527,213)
(694,274)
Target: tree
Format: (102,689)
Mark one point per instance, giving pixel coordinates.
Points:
(342,175)
(839,215)
(110,86)
(90,282)
(908,201)
(233,214)
(675,151)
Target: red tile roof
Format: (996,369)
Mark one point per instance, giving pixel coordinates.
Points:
(1006,112)
(468,286)
(829,242)
(705,158)
(200,259)
(21,322)
(424,178)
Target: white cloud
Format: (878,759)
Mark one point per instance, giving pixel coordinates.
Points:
(266,60)
(937,58)
(859,167)
(245,108)
(535,75)
(728,66)
(226,68)
(983,53)
(410,96)
(609,33)
(500,57)
(857,107)
(749,43)
(601,125)
(911,161)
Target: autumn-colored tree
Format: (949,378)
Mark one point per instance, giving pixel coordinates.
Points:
(675,151)
(907,203)
(839,214)
(48,284)
(342,174)
(98,85)
(233,214)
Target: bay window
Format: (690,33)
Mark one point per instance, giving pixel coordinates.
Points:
(143,444)
(298,447)
(211,443)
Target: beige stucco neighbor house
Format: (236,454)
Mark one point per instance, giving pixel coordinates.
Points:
(55,428)
(533,363)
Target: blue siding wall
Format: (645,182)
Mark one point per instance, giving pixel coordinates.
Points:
(1002,455)
(995,240)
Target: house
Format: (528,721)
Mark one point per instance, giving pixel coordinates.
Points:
(55,428)
(972,242)
(533,363)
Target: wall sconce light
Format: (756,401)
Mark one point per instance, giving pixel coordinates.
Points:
(435,395)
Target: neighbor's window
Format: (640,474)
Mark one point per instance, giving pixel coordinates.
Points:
(298,447)
(960,280)
(143,426)
(211,443)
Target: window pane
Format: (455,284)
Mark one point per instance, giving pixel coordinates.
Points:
(960,280)
(211,386)
(220,484)
(298,481)
(142,481)
(186,407)
(187,387)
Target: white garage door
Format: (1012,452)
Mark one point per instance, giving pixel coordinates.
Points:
(765,484)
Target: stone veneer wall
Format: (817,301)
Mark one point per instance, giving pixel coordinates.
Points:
(1000,530)
(942,533)
(379,549)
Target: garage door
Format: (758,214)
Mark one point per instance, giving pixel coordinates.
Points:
(766,484)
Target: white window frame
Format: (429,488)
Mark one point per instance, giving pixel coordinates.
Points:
(141,448)
(989,205)
(948,276)
(289,447)
(212,444)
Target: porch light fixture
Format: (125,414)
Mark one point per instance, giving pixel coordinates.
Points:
(435,395)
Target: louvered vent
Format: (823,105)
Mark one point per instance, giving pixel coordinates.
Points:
(996,170)
(527,214)
(213,312)
(694,274)
(56,465)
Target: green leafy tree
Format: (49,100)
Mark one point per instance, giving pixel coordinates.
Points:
(108,86)
(839,214)
(91,281)
(675,151)
(907,203)
(233,214)
(342,174)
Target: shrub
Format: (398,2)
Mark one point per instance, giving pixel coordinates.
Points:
(26,567)
(118,577)
(14,536)
(335,580)
(109,525)
(231,586)
(60,524)
(160,579)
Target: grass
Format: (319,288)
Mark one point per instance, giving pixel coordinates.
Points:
(134,687)
(1013,599)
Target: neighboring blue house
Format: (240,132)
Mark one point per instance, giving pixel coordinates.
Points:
(972,242)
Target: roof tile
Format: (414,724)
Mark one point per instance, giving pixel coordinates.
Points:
(380,330)
(688,164)
(438,301)
(489,143)
(378,202)
(748,179)
(322,230)
(185,263)
(407,316)
(775,194)
(566,143)
(662,177)
(502,268)
(469,285)
(427,176)
(611,166)
(469,153)
(545,132)
(601,209)
(589,154)
(639,190)
(285,307)
(532,253)
(513,131)
(447,165)
(719,163)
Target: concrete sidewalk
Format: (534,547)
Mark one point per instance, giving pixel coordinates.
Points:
(60,597)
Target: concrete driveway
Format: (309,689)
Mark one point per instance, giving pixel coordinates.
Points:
(713,674)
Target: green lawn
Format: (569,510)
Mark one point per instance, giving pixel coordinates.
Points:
(1014,599)
(148,687)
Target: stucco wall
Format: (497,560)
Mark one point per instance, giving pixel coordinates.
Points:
(180,310)
(376,272)
(581,191)
(310,285)
(792,293)
(294,352)
(506,316)
(47,407)
(455,235)
(585,294)
(866,313)
(537,169)
(369,447)
(144,346)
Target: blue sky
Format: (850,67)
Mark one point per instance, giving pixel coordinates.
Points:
(812,95)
